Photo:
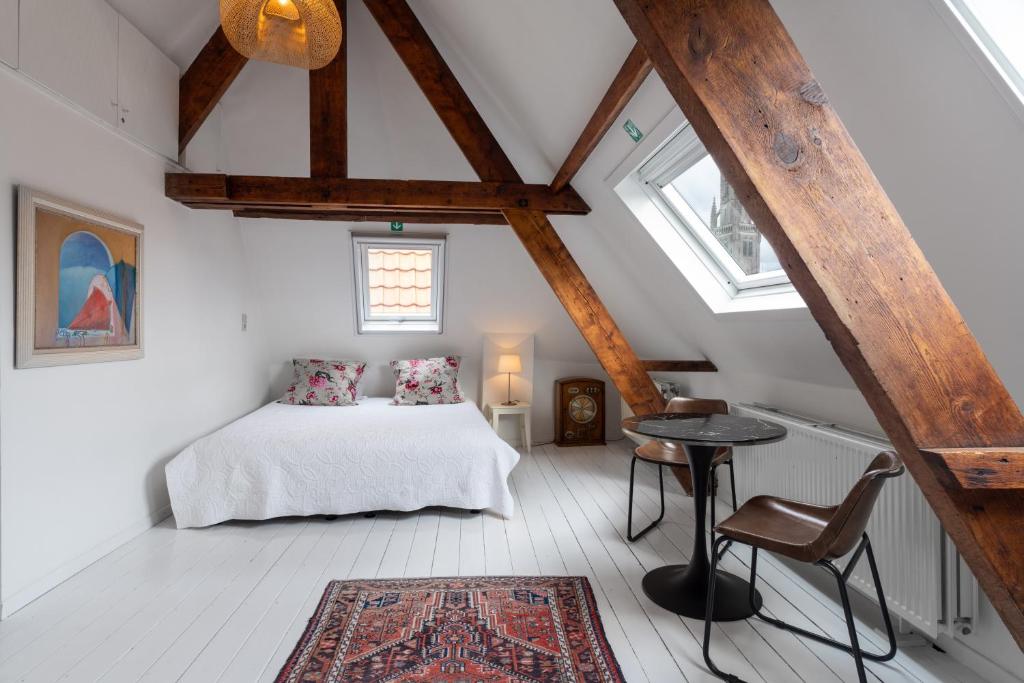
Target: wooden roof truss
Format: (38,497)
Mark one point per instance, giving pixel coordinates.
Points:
(756,106)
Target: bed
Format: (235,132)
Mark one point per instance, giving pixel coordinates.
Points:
(284,460)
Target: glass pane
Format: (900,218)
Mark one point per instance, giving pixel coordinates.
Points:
(1003,20)
(400,282)
(715,202)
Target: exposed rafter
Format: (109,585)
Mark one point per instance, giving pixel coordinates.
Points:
(203,84)
(629,79)
(216,190)
(485,155)
(328,111)
(756,106)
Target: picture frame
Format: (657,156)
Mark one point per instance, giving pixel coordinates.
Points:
(79,284)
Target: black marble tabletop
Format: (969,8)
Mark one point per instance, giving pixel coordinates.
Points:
(705,430)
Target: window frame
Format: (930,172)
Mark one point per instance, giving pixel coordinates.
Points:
(973,34)
(681,152)
(369,323)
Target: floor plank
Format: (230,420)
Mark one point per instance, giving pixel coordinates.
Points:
(230,602)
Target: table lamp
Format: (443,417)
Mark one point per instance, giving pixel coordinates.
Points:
(509,363)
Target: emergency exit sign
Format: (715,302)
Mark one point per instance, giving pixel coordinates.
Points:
(397,226)
(633,131)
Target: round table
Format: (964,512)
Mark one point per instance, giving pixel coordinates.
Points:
(682,588)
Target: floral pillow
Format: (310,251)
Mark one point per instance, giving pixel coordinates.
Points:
(324,382)
(427,381)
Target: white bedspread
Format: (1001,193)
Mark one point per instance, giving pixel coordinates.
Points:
(303,460)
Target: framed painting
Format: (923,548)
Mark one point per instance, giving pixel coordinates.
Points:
(79,284)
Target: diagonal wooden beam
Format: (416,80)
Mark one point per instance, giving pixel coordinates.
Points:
(203,84)
(442,89)
(237,191)
(627,81)
(328,111)
(490,162)
(753,101)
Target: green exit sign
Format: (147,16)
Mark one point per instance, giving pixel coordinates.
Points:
(397,226)
(633,131)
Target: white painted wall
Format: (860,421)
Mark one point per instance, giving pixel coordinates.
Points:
(82,448)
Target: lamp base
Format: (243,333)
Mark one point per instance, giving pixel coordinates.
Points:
(510,403)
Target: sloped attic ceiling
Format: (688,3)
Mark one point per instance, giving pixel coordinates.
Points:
(537,68)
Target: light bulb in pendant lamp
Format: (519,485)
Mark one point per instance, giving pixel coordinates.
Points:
(302,33)
(509,363)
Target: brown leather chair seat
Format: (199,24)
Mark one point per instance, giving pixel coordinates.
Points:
(786,527)
(665,453)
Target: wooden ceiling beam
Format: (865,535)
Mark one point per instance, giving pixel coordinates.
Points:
(756,106)
(203,84)
(411,217)
(442,89)
(679,366)
(328,111)
(533,228)
(214,189)
(627,81)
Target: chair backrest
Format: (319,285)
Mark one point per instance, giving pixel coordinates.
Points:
(697,406)
(847,525)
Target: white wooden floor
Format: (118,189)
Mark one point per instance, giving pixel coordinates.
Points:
(228,603)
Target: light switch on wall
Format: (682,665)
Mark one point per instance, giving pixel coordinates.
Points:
(245,322)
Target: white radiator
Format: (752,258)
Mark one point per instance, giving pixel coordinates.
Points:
(818,463)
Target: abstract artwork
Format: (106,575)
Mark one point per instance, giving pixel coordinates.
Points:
(79,284)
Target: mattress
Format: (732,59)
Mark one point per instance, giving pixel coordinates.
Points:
(284,460)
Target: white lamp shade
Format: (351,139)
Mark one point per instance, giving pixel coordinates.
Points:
(509,362)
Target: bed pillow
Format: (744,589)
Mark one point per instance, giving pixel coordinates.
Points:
(324,382)
(427,381)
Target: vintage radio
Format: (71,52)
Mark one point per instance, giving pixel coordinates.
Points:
(579,412)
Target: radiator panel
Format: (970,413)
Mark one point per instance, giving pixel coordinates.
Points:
(819,463)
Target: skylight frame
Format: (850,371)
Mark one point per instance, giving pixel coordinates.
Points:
(683,151)
(376,323)
(1007,76)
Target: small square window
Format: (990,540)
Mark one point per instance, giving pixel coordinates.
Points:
(399,283)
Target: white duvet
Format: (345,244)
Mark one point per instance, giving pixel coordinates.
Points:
(305,460)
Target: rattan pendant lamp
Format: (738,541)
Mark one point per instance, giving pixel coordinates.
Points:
(301,33)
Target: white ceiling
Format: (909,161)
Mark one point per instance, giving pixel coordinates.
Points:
(180,27)
(547,62)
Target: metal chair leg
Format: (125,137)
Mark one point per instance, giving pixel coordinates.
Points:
(712,492)
(850,625)
(886,617)
(842,577)
(709,612)
(732,483)
(629,517)
(714,475)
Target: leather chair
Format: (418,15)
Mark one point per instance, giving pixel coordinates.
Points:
(814,534)
(664,454)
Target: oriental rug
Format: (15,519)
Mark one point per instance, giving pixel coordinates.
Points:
(511,629)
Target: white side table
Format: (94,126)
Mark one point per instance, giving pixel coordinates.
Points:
(522,409)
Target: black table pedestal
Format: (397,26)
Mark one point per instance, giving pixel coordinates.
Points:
(680,589)
(683,588)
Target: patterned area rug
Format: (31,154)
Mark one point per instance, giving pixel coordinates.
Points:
(510,629)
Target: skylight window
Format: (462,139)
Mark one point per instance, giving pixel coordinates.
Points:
(399,284)
(996,27)
(683,178)
(704,191)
